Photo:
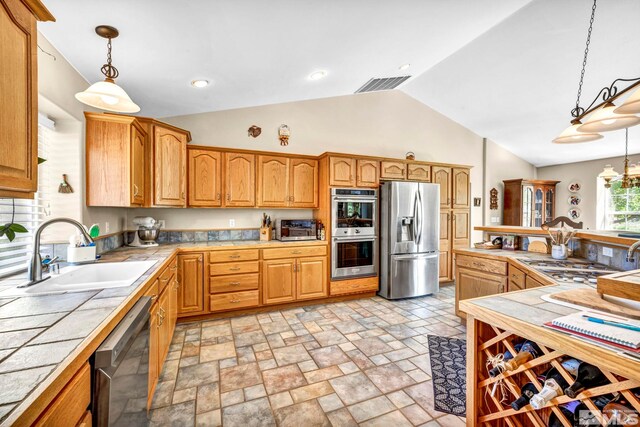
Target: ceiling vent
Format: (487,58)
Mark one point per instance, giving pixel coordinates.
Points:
(385,83)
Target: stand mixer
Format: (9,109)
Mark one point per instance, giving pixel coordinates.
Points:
(147,233)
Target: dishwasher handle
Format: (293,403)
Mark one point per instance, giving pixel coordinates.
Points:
(127,330)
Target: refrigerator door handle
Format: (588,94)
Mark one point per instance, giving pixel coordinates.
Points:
(414,223)
(419,219)
(416,256)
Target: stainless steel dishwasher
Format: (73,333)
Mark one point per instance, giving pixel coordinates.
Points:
(121,371)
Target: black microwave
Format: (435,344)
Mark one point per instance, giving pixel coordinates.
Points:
(296,229)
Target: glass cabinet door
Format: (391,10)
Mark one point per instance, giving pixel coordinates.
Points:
(527,206)
(537,208)
(548,205)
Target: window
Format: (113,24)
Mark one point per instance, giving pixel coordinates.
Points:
(622,208)
(15,255)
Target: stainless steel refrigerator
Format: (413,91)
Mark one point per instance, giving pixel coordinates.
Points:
(409,239)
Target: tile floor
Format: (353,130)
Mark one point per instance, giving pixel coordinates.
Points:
(362,362)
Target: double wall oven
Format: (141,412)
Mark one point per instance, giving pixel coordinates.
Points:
(354,246)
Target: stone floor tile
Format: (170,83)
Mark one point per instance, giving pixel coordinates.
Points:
(307,365)
(423,395)
(330,402)
(245,355)
(371,408)
(348,367)
(329,356)
(389,378)
(169,370)
(190,349)
(254,392)
(197,375)
(189,361)
(405,365)
(217,352)
(379,359)
(280,400)
(416,414)
(249,338)
(327,338)
(240,376)
(372,346)
(400,399)
(354,388)
(360,359)
(181,414)
(323,374)
(284,378)
(395,419)
(209,419)
(290,354)
(418,375)
(228,363)
(208,398)
(263,355)
(267,364)
(348,346)
(184,395)
(311,391)
(256,413)
(307,414)
(232,397)
(349,327)
(451,421)
(341,418)
(163,394)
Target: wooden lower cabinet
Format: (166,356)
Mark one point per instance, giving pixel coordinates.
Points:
(278,281)
(191,279)
(531,283)
(154,352)
(311,278)
(70,406)
(517,279)
(473,284)
(234,300)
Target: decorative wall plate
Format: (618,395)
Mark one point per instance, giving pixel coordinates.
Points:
(574,213)
(574,200)
(574,187)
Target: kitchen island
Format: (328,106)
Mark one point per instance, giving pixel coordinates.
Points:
(496,322)
(48,339)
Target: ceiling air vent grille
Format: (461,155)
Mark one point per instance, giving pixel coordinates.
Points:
(385,83)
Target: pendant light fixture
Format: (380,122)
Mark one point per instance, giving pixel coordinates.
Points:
(631,175)
(600,116)
(107,95)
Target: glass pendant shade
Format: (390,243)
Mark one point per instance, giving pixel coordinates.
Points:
(107,96)
(571,135)
(608,173)
(631,105)
(604,119)
(634,169)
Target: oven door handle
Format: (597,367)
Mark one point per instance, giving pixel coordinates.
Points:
(356,200)
(355,239)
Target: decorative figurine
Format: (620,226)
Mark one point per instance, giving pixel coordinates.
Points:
(255,131)
(283,133)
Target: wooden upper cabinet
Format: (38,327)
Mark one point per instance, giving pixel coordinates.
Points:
(461,188)
(170,167)
(240,174)
(115,160)
(303,183)
(367,173)
(461,229)
(273,181)
(205,178)
(418,172)
(442,175)
(191,282)
(393,170)
(342,172)
(19,90)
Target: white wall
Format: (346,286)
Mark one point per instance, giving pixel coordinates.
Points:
(586,174)
(58,82)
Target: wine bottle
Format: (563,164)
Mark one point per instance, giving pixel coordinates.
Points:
(528,351)
(588,376)
(554,385)
(528,391)
(567,410)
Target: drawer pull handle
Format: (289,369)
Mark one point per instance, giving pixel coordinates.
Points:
(234,269)
(234,283)
(174,268)
(233,301)
(234,256)
(296,252)
(153,298)
(164,280)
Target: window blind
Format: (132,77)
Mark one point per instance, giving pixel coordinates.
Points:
(15,255)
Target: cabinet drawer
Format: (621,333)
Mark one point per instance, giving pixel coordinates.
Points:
(515,286)
(276,253)
(153,291)
(516,277)
(166,275)
(488,265)
(70,406)
(353,286)
(233,283)
(234,268)
(234,300)
(232,256)
(530,282)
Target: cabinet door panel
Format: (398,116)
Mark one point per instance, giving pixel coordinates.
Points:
(303,185)
(19,109)
(342,171)
(311,278)
(474,284)
(164,340)
(205,178)
(170,152)
(278,281)
(137,166)
(461,188)
(444,270)
(154,351)
(418,172)
(442,175)
(445,261)
(368,173)
(393,170)
(240,174)
(190,278)
(273,181)
(461,231)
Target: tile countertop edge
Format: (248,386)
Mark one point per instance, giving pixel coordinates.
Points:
(593,235)
(30,408)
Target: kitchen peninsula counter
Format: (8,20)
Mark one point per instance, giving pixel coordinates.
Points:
(46,339)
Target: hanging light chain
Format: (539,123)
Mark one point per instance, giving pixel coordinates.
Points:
(109,71)
(578,110)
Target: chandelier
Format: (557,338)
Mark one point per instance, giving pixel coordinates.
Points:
(107,95)
(631,176)
(601,115)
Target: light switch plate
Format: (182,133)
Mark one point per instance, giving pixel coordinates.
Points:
(161,223)
(232,223)
(607,251)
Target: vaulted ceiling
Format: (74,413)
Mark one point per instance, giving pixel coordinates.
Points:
(506,69)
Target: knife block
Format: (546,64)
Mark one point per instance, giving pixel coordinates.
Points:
(265,234)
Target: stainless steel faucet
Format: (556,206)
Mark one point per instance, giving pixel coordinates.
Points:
(632,249)
(35,266)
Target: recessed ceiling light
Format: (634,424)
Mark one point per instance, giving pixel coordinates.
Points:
(200,83)
(318,75)
(404,67)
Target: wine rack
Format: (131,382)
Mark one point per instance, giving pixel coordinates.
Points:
(487,408)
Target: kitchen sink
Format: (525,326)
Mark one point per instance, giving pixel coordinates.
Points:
(86,278)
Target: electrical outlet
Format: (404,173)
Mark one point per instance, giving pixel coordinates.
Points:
(232,223)
(106,227)
(607,252)
(161,223)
